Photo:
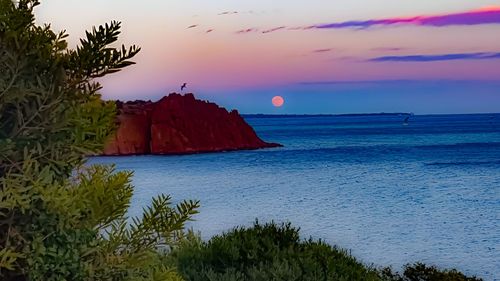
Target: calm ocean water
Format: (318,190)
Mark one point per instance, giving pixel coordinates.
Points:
(393,194)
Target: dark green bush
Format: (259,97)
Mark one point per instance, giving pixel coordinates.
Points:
(267,252)
(276,252)
(422,272)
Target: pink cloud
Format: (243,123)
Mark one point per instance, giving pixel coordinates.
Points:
(322,50)
(489,15)
(228,13)
(274,29)
(248,30)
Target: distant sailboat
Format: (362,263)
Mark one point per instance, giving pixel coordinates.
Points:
(406,122)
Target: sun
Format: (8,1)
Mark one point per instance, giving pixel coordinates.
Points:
(278,101)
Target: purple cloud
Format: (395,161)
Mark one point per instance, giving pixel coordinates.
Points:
(248,30)
(192,26)
(210,30)
(482,16)
(322,50)
(274,29)
(490,15)
(391,81)
(298,28)
(356,82)
(228,13)
(441,57)
(387,49)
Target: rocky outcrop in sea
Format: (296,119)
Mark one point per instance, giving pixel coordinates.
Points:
(180,124)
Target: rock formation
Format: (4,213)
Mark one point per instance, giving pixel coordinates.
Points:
(180,124)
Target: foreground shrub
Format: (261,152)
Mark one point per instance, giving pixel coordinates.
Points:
(60,220)
(276,252)
(266,252)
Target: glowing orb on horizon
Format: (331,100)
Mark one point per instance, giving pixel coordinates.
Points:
(278,101)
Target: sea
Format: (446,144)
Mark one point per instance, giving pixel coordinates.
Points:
(389,191)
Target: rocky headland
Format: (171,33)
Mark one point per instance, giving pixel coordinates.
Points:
(180,124)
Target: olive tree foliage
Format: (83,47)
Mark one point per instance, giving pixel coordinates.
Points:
(61,219)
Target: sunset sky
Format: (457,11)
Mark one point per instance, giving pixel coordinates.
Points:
(322,56)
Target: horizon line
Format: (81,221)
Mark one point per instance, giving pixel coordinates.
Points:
(360,114)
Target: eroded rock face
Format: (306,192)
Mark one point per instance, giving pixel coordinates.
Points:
(180,124)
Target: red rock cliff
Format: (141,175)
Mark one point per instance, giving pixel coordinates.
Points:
(180,124)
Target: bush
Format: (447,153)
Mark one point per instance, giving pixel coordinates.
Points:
(422,272)
(266,252)
(61,220)
(276,252)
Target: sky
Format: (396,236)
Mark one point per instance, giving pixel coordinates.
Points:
(321,56)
